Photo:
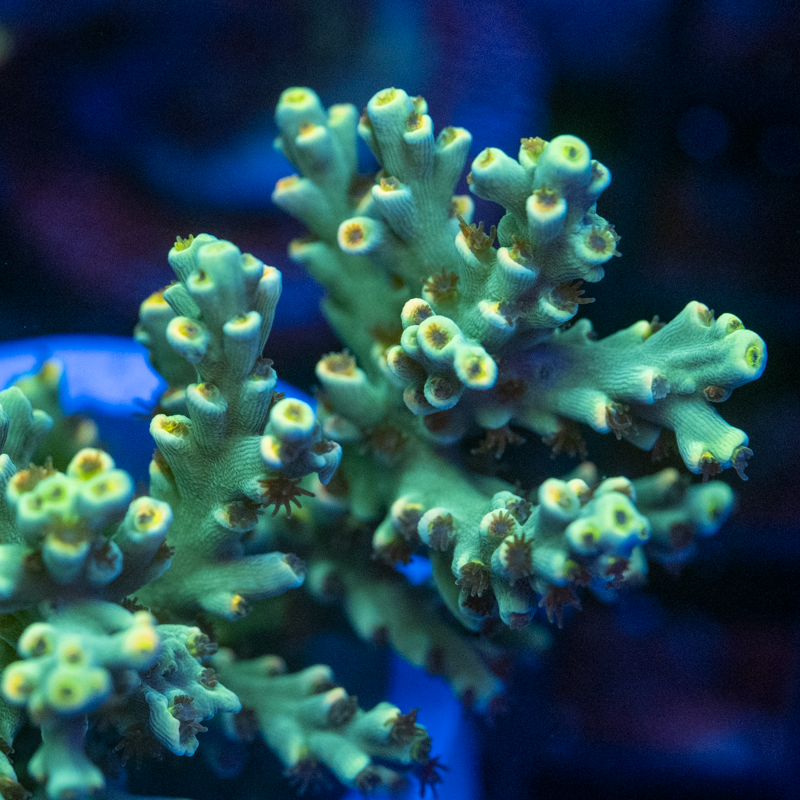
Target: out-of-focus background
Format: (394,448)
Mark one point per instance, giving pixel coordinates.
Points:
(126,122)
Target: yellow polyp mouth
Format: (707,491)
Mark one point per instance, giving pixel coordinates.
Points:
(354,234)
(419,312)
(753,356)
(274,449)
(73,654)
(572,152)
(413,121)
(475,368)
(104,487)
(559,498)
(39,647)
(55,494)
(384,98)
(175,427)
(705,314)
(238,605)
(448,134)
(545,200)
(494,308)
(295,97)
(306,128)
(183,244)
(294,412)
(89,466)
(147,518)
(287,182)
(65,693)
(598,241)
(339,364)
(533,146)
(486,157)
(188,330)
(437,337)
(458,205)
(389,184)
(209,390)
(34,503)
(144,642)
(590,536)
(17,685)
(709,464)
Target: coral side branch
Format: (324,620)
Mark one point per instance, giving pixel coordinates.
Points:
(309,722)
(502,554)
(643,378)
(232,448)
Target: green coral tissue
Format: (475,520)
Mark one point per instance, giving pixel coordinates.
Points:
(123,609)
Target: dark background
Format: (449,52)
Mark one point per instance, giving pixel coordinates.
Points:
(123,124)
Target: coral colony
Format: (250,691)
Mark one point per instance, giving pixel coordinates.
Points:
(118,611)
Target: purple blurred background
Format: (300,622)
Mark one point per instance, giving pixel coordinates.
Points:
(123,124)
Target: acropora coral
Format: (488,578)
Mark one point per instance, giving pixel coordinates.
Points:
(123,611)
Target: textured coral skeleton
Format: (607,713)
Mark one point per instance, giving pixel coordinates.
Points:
(126,613)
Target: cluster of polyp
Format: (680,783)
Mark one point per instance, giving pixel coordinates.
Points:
(436,362)
(79,534)
(413,198)
(549,194)
(72,664)
(225,303)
